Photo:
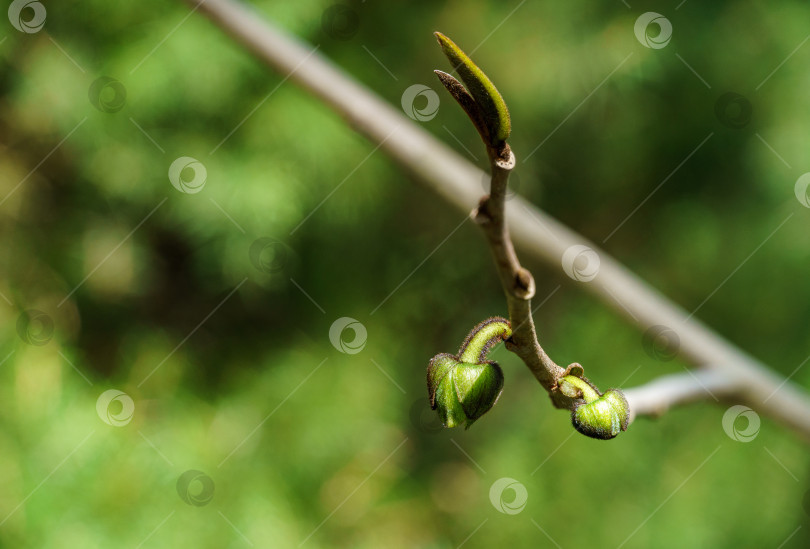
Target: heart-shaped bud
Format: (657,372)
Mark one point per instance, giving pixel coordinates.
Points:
(463,388)
(465,392)
(601,416)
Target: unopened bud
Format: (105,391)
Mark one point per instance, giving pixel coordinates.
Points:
(601,416)
(463,388)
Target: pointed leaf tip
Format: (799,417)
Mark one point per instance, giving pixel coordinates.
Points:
(463,98)
(481,88)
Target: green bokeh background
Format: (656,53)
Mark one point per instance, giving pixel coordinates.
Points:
(311,447)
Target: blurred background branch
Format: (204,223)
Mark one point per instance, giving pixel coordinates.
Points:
(735,373)
(659,395)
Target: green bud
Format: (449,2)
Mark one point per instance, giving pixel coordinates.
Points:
(442,389)
(464,387)
(601,416)
(483,103)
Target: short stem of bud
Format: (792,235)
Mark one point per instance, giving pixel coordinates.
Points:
(581,388)
(482,338)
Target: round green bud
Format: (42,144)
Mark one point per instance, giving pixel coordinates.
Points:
(604,417)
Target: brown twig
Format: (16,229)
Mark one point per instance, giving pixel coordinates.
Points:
(518,283)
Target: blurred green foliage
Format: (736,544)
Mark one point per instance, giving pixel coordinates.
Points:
(305,443)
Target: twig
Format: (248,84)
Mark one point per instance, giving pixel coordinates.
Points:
(518,283)
(536,233)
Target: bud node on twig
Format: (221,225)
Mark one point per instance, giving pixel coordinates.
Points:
(524,284)
(480,215)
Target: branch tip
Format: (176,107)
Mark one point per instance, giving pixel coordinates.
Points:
(505,158)
(493,110)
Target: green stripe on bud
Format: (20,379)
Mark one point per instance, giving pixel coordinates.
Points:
(463,388)
(443,395)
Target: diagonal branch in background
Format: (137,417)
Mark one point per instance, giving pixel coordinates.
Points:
(740,377)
